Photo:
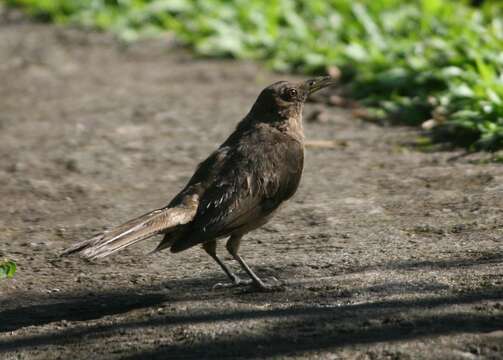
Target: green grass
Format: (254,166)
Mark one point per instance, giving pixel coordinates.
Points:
(405,60)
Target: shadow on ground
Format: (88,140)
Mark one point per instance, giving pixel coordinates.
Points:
(317,325)
(82,306)
(301,328)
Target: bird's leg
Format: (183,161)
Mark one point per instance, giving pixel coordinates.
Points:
(211,249)
(233,247)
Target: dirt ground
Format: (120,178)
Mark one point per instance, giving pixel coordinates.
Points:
(386,252)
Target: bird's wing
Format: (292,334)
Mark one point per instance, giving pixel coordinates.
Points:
(252,183)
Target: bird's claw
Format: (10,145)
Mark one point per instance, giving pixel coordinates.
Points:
(254,286)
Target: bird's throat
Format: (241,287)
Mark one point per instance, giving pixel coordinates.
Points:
(293,128)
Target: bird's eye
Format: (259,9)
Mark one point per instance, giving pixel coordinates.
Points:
(290,94)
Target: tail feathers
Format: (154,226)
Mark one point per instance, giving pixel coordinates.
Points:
(131,232)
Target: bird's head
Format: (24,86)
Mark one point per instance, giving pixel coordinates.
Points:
(285,100)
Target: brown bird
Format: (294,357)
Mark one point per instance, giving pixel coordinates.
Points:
(235,190)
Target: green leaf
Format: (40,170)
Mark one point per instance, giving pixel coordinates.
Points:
(7,269)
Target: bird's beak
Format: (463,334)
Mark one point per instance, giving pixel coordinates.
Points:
(313,85)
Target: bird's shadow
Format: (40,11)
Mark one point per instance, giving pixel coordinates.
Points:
(304,322)
(84,305)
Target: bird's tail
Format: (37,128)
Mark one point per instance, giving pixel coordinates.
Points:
(155,222)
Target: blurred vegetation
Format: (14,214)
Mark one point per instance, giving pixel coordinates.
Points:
(405,60)
(7,269)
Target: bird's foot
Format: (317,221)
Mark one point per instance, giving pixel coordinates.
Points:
(237,282)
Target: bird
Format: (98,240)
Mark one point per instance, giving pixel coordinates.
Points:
(235,190)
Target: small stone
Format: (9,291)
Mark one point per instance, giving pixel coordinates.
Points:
(318,116)
(336,100)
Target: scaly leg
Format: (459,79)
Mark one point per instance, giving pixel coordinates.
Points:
(211,248)
(233,247)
